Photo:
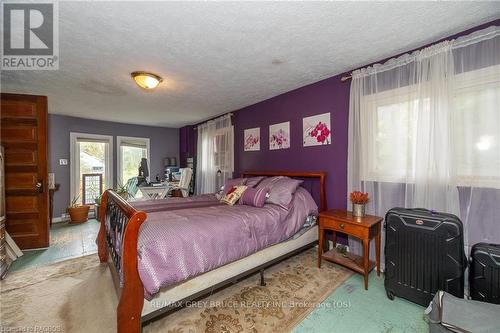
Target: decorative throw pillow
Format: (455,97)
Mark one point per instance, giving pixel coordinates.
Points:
(268,181)
(255,197)
(253,181)
(233,195)
(230,183)
(281,190)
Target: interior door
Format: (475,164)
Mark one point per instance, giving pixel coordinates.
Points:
(24,138)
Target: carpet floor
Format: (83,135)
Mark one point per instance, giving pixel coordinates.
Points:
(77,295)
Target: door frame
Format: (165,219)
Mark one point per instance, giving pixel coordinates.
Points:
(119,140)
(75,160)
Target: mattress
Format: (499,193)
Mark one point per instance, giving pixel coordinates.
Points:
(176,245)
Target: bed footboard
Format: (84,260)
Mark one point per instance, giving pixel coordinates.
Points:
(117,246)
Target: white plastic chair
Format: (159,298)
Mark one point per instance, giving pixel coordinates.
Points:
(186,175)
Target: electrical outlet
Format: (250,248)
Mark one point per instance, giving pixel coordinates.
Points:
(63,161)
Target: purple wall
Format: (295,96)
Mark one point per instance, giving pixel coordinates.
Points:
(330,95)
(164,142)
(187,144)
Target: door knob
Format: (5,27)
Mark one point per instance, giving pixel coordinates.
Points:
(39,187)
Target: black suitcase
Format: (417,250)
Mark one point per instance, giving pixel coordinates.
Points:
(484,274)
(424,253)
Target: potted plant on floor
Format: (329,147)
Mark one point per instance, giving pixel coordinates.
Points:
(122,191)
(359,201)
(78,213)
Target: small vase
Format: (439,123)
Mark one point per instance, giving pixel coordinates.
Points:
(358,210)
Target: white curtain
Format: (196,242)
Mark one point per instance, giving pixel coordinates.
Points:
(215,154)
(424,131)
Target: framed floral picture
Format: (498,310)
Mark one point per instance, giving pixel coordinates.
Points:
(317,130)
(252,139)
(279,136)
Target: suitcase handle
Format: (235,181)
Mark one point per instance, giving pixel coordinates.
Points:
(432,211)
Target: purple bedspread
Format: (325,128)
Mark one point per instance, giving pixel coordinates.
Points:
(148,206)
(175,245)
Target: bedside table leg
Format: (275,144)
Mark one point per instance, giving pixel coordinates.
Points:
(320,246)
(366,259)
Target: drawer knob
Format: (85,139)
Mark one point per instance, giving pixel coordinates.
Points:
(342,226)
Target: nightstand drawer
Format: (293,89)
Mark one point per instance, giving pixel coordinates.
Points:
(347,228)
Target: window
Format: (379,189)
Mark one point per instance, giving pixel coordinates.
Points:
(91,166)
(130,152)
(476,127)
(223,154)
(222,150)
(395,122)
(214,154)
(391,117)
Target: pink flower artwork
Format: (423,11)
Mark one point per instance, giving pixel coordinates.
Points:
(252,139)
(279,136)
(317,130)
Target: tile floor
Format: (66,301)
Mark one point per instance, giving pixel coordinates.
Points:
(66,241)
(352,309)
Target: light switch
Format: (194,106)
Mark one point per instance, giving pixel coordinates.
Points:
(63,161)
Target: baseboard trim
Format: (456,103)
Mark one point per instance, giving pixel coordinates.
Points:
(60,219)
(65,218)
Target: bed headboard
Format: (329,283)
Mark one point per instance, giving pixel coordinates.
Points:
(320,175)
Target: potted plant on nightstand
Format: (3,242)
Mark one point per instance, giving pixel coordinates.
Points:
(359,201)
(78,213)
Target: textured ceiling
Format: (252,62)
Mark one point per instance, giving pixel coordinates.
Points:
(218,57)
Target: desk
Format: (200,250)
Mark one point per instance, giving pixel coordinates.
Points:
(154,192)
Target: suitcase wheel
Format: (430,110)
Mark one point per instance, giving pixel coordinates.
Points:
(390,294)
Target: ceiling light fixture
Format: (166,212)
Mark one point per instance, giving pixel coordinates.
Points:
(145,80)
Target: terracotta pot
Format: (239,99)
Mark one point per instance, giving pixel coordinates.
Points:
(79,214)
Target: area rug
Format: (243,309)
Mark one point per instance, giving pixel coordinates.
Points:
(77,295)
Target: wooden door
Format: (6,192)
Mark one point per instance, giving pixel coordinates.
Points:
(23,132)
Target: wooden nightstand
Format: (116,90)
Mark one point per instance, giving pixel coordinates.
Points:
(365,228)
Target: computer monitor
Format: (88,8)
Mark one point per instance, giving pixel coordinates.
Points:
(143,168)
(143,172)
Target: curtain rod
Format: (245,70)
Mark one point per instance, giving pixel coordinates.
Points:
(489,32)
(345,78)
(230,114)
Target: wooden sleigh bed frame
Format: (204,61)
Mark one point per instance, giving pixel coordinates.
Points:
(117,246)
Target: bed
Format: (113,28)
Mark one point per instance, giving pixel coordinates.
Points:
(151,282)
